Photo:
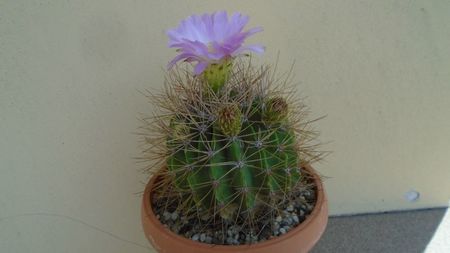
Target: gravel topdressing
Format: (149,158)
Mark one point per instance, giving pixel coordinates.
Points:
(269,223)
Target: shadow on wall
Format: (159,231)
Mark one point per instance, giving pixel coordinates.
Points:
(396,232)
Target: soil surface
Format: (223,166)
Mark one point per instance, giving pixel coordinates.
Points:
(264,225)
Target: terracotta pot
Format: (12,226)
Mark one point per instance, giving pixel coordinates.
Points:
(300,239)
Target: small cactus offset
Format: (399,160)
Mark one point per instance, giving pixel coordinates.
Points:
(230,141)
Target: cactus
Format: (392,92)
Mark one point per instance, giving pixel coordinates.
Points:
(231,145)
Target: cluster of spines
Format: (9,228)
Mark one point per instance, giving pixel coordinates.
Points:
(227,150)
(234,158)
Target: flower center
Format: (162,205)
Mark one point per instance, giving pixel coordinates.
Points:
(211,48)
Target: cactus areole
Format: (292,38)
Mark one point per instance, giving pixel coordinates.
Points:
(231,142)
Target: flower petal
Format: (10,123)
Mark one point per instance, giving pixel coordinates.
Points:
(220,25)
(238,21)
(185,56)
(253,31)
(259,49)
(200,67)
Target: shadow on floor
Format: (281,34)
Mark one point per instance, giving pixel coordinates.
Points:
(395,232)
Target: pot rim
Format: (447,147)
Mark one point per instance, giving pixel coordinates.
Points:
(298,229)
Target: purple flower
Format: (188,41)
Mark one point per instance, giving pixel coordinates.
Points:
(210,38)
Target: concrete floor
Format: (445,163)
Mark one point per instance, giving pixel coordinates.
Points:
(397,232)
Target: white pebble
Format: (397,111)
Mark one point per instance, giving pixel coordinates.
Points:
(195,237)
(289,220)
(282,230)
(278,219)
(166,215)
(276,226)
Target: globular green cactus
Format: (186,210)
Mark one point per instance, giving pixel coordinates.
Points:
(231,147)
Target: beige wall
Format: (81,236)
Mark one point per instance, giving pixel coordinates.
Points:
(70,72)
